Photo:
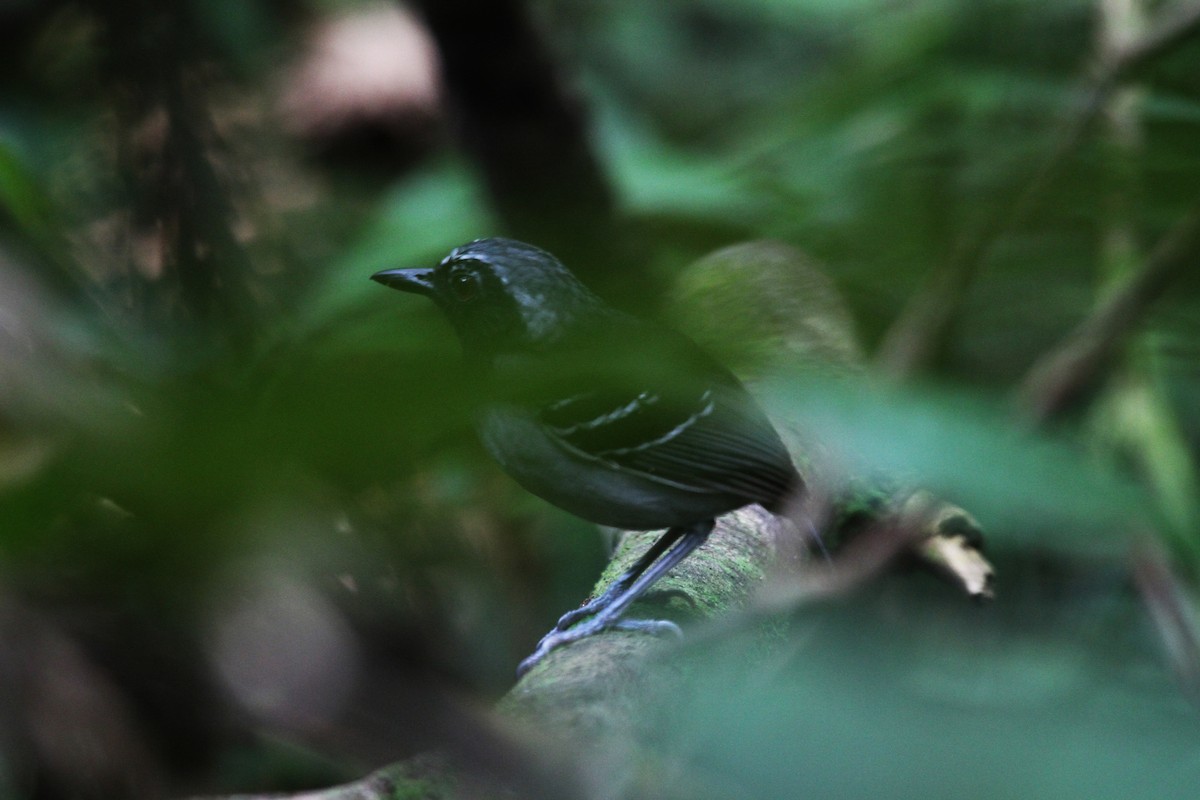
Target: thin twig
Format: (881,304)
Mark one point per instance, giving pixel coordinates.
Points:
(1061,376)
(1172,611)
(921,330)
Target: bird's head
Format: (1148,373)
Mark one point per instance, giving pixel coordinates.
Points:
(500,294)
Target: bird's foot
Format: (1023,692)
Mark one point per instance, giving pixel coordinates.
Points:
(557,638)
(596,606)
(607,609)
(590,608)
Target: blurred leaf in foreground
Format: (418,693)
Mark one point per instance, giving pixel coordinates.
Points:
(929,702)
(1034,490)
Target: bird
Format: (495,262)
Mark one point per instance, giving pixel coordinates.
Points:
(618,420)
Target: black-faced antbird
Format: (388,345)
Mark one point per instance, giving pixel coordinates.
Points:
(617,420)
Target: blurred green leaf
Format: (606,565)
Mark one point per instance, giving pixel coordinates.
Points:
(989,709)
(22,194)
(416,223)
(1031,489)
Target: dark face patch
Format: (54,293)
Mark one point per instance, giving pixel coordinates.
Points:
(477,304)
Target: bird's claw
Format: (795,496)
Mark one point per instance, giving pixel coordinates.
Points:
(655,627)
(573,616)
(557,638)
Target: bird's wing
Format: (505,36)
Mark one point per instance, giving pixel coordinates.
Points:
(709,438)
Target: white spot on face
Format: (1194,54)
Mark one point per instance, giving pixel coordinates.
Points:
(538,315)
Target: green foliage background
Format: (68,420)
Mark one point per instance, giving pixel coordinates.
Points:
(290,417)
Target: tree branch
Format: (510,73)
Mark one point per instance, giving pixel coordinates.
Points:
(595,696)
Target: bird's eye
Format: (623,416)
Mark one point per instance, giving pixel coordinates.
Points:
(464,285)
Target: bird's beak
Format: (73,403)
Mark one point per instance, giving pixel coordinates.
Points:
(417,281)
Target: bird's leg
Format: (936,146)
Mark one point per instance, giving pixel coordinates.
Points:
(680,543)
(622,583)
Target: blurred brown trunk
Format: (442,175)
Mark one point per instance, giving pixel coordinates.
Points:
(526,130)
